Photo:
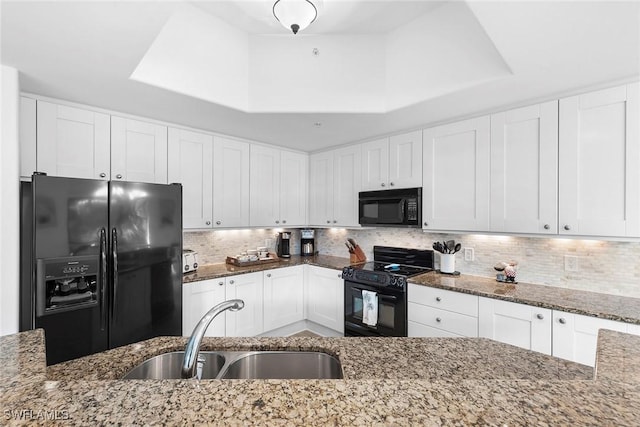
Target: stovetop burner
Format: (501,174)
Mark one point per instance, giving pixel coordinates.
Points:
(394,268)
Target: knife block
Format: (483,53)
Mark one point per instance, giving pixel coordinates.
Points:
(357,256)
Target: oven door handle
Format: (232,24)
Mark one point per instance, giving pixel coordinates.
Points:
(387,297)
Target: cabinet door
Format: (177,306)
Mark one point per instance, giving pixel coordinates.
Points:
(230,183)
(524,165)
(265,187)
(72,142)
(456,176)
(325,297)
(247,322)
(293,188)
(521,325)
(197,299)
(346,185)
(375,165)
(191,164)
(283,297)
(405,160)
(321,189)
(600,163)
(28,126)
(138,151)
(575,337)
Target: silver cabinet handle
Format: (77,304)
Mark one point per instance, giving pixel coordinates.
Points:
(208,222)
(218,222)
(383,184)
(547,226)
(103,175)
(277,222)
(391,184)
(562,321)
(566,227)
(268,274)
(438,319)
(231,282)
(426,224)
(328,222)
(284,221)
(539,316)
(334,221)
(119,176)
(221,283)
(339,276)
(438,299)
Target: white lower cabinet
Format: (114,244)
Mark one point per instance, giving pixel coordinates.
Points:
(283,297)
(575,337)
(247,322)
(197,299)
(521,325)
(434,312)
(325,297)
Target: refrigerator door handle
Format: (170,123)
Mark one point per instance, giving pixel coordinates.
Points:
(114,270)
(103,278)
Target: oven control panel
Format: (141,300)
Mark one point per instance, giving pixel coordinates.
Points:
(375,278)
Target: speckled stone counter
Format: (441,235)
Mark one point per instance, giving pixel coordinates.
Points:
(605,306)
(388,381)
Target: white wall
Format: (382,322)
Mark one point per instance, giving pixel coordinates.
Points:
(9,201)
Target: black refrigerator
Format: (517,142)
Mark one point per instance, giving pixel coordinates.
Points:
(101,263)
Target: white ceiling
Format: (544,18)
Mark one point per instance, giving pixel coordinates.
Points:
(517,52)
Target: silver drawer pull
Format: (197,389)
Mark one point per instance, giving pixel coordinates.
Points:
(438,299)
(540,316)
(438,319)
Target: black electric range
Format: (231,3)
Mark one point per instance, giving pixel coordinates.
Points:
(386,277)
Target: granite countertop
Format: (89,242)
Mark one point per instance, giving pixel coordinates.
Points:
(613,307)
(399,381)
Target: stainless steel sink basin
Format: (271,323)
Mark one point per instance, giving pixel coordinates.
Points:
(243,365)
(283,365)
(168,366)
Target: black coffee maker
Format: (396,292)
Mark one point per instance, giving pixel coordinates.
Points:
(283,245)
(307,242)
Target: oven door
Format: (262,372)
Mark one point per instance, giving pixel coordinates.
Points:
(392,311)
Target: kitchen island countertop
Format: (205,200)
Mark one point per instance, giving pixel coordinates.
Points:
(399,381)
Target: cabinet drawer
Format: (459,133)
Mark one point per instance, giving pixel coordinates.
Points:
(445,300)
(420,330)
(449,321)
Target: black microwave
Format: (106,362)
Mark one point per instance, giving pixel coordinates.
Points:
(391,208)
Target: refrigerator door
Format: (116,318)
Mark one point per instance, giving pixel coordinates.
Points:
(145,234)
(69,221)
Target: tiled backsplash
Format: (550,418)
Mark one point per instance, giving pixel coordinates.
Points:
(603,266)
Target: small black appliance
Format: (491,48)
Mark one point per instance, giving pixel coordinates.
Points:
(284,244)
(307,242)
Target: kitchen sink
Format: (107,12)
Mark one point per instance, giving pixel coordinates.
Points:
(243,365)
(168,366)
(283,365)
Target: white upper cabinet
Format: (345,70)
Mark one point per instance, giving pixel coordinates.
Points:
(600,163)
(524,164)
(394,162)
(191,164)
(293,188)
(456,176)
(230,183)
(72,142)
(334,184)
(27,135)
(138,151)
(405,160)
(278,187)
(375,165)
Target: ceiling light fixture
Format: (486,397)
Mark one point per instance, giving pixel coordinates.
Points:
(295,15)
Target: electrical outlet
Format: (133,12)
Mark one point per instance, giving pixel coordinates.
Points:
(469,254)
(268,243)
(571,263)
